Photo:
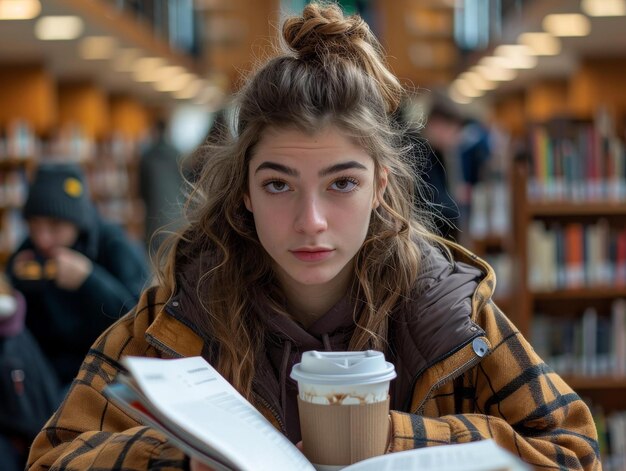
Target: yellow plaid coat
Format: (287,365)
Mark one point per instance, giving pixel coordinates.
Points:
(493,387)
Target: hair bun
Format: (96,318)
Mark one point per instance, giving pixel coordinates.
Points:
(324,28)
(323,32)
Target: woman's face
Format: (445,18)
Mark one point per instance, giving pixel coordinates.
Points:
(311,197)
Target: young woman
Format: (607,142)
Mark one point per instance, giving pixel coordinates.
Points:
(302,235)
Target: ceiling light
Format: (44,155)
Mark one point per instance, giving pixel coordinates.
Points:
(211,96)
(516,56)
(494,62)
(495,73)
(176,83)
(478,81)
(458,97)
(145,69)
(57,28)
(190,91)
(541,44)
(97,47)
(465,88)
(567,24)
(125,59)
(19,9)
(603,7)
(163,74)
(169,78)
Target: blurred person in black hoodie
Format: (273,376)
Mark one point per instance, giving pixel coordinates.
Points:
(160,187)
(77,272)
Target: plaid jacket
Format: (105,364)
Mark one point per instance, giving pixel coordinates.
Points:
(495,386)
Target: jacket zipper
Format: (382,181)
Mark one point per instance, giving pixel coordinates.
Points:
(273,411)
(449,377)
(155,343)
(162,347)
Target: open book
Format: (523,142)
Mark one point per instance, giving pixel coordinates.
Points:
(202,414)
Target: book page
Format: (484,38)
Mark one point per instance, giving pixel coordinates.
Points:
(132,402)
(194,397)
(484,455)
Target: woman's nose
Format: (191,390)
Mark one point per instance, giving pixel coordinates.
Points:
(310,217)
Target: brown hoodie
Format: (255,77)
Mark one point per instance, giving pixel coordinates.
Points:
(433,323)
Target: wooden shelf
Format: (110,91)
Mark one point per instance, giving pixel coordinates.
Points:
(596,292)
(584,383)
(503,302)
(595,208)
(9,163)
(9,207)
(489,242)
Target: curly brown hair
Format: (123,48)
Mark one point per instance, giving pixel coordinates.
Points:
(331,72)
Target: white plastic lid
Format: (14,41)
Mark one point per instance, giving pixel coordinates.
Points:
(343,368)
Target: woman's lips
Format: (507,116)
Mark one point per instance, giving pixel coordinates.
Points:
(312,255)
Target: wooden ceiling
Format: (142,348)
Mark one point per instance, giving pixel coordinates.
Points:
(417,36)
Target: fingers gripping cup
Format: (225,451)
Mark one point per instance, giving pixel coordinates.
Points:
(343,401)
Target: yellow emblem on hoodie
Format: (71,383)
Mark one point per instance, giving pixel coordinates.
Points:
(73,187)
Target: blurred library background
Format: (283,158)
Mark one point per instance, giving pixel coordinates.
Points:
(534,162)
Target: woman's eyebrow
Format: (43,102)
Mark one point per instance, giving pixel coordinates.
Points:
(278,167)
(341,167)
(322,173)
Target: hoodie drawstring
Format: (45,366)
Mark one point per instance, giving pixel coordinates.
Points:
(326,342)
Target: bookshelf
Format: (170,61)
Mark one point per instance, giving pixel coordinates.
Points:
(547,305)
(579,327)
(14,172)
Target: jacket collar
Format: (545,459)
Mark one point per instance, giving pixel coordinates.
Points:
(169,332)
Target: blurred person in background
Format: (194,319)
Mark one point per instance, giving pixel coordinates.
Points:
(160,186)
(442,133)
(77,272)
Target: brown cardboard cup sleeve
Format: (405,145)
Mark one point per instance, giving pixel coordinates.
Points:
(343,434)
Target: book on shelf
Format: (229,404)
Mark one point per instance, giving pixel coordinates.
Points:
(489,210)
(618,335)
(611,429)
(201,413)
(20,142)
(575,255)
(592,344)
(542,258)
(590,332)
(573,160)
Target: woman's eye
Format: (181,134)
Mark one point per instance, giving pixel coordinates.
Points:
(344,185)
(276,186)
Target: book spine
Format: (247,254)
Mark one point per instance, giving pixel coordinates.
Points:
(618,331)
(574,256)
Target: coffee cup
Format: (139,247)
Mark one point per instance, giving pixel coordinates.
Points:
(343,403)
